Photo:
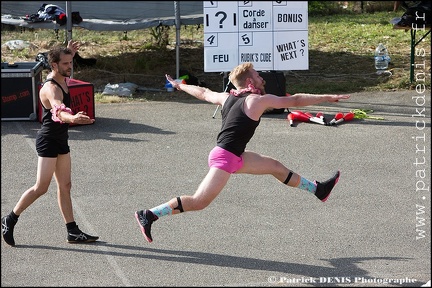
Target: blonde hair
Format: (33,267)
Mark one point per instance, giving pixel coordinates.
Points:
(240,73)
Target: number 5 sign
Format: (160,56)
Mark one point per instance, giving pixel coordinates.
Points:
(273,35)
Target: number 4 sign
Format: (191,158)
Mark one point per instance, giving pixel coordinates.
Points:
(273,35)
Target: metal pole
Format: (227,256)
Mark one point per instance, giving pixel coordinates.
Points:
(68,21)
(177,24)
(226,88)
(69,26)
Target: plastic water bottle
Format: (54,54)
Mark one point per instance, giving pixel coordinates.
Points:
(381,58)
(168,86)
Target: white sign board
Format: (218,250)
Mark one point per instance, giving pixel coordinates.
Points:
(273,35)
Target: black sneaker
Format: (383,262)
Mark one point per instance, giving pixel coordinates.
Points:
(8,225)
(324,188)
(145,219)
(77,236)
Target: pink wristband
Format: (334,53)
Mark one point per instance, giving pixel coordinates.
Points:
(56,109)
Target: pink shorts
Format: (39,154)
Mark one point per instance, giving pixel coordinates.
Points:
(224,160)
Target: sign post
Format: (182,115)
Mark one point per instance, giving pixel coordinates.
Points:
(273,35)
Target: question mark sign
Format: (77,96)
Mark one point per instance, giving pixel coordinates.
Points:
(223,17)
(302,50)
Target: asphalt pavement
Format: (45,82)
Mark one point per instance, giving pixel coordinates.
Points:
(373,231)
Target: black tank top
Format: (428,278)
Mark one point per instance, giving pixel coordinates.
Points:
(237,128)
(51,129)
